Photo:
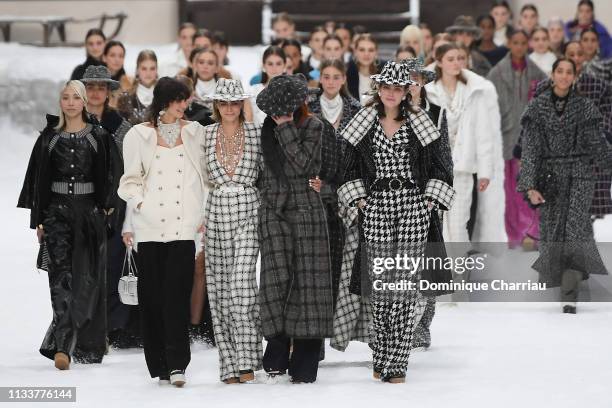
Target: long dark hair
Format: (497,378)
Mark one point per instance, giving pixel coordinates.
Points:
(404,107)
(271,50)
(107,48)
(94,31)
(589,3)
(166,91)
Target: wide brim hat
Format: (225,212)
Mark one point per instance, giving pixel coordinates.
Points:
(392,74)
(464,24)
(283,95)
(229,90)
(99,73)
(415,65)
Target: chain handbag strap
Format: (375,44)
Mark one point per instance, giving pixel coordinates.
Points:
(130,262)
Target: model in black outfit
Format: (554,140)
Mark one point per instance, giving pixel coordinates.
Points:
(67,187)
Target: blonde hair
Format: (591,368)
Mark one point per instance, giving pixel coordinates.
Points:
(412,32)
(79,88)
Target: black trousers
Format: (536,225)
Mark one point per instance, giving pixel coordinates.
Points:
(165,279)
(302,362)
(473,207)
(76,240)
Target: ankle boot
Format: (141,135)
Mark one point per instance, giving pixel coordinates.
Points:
(62,361)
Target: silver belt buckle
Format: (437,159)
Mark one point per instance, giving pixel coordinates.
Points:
(395,181)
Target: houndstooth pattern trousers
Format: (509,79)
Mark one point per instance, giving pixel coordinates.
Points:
(395,222)
(232,248)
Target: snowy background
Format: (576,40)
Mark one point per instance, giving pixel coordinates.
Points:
(482,354)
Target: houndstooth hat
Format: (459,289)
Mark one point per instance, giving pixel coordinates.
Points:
(392,74)
(229,90)
(415,65)
(99,73)
(283,95)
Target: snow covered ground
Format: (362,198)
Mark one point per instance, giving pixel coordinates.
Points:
(483,354)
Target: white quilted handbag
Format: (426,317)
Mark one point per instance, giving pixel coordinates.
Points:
(128,284)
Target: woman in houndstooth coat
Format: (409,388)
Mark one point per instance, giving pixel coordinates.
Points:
(296,301)
(233,160)
(396,181)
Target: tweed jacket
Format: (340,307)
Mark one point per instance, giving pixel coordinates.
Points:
(564,148)
(295,294)
(548,136)
(138,153)
(596,90)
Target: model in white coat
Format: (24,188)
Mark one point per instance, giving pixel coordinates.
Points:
(463,95)
(489,220)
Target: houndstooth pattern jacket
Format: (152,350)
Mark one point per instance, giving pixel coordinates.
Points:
(432,171)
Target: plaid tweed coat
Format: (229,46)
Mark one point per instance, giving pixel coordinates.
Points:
(600,93)
(295,294)
(432,170)
(565,147)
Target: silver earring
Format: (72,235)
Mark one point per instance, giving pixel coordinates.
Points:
(159,116)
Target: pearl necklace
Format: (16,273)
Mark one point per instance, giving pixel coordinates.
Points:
(170,132)
(230,149)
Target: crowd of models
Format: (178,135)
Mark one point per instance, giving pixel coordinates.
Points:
(488,132)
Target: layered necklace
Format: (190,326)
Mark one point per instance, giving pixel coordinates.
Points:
(229,149)
(170,132)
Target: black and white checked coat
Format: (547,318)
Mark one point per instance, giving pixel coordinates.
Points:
(332,151)
(351,312)
(431,168)
(295,295)
(565,147)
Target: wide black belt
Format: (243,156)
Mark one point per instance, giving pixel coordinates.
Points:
(391,184)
